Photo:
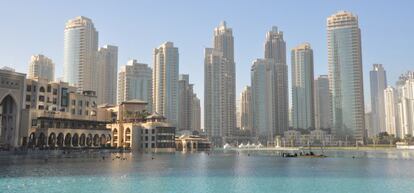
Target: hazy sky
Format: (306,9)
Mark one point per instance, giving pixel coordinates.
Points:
(136,27)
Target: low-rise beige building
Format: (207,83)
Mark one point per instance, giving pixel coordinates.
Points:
(133,127)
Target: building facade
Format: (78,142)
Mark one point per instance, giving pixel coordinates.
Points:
(185,102)
(219,86)
(79,57)
(165,81)
(345,76)
(378,80)
(391,112)
(264,100)
(405,106)
(41,66)
(246,111)
(302,87)
(135,82)
(134,128)
(11,99)
(107,60)
(58,116)
(196,113)
(322,103)
(275,49)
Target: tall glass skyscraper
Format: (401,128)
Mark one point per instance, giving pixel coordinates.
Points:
(378,80)
(79,57)
(165,81)
(302,87)
(322,103)
(345,76)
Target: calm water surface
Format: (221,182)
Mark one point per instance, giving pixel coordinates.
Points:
(370,171)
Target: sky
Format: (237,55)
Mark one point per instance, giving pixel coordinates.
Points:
(137,27)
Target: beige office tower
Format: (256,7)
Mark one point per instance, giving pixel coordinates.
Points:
(246,111)
(391,112)
(79,57)
(275,49)
(345,77)
(135,83)
(185,102)
(196,114)
(107,60)
(405,106)
(41,67)
(219,85)
(165,81)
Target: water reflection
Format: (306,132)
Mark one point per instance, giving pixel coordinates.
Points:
(353,171)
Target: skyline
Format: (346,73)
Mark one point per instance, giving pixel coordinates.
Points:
(46,37)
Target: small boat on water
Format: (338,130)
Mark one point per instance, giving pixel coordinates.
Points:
(404,145)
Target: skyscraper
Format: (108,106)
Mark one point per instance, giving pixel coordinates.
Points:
(165,81)
(219,85)
(135,82)
(79,57)
(107,62)
(378,80)
(405,106)
(246,116)
(196,114)
(42,67)
(302,87)
(322,103)
(391,113)
(264,100)
(275,49)
(185,102)
(345,76)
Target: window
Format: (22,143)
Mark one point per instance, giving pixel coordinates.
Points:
(73,111)
(29,88)
(49,88)
(146,138)
(41,107)
(73,102)
(42,89)
(146,145)
(34,122)
(80,103)
(28,98)
(86,112)
(146,131)
(152,145)
(42,98)
(153,138)
(54,100)
(54,91)
(87,103)
(153,131)
(80,112)
(27,106)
